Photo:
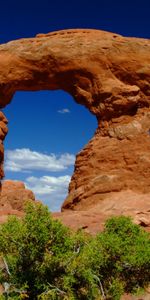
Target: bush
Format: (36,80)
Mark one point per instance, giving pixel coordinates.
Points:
(47,261)
(120,257)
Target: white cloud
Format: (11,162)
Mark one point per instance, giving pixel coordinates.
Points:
(25,160)
(49,189)
(64,111)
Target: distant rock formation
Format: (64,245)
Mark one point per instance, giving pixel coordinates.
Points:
(13,197)
(109,75)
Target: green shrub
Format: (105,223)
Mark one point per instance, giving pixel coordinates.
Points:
(47,261)
(119,257)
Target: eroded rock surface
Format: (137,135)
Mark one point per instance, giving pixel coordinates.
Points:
(112,163)
(108,74)
(127,203)
(14,195)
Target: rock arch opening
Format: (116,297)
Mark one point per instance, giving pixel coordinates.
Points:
(107,73)
(46,131)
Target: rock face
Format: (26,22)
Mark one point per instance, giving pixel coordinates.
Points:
(127,203)
(13,195)
(111,164)
(12,199)
(3,132)
(108,74)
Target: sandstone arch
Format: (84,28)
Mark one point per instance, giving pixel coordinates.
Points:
(110,75)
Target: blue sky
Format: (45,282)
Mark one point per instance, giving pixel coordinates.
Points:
(47,129)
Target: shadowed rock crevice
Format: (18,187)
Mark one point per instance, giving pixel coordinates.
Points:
(108,74)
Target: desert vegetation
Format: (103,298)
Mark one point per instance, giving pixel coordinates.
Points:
(43,259)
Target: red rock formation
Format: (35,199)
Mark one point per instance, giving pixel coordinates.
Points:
(119,160)
(13,196)
(3,132)
(110,75)
(127,203)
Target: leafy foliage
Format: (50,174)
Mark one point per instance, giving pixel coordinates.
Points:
(47,261)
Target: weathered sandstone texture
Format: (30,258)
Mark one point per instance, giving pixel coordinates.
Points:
(127,203)
(14,195)
(108,74)
(12,199)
